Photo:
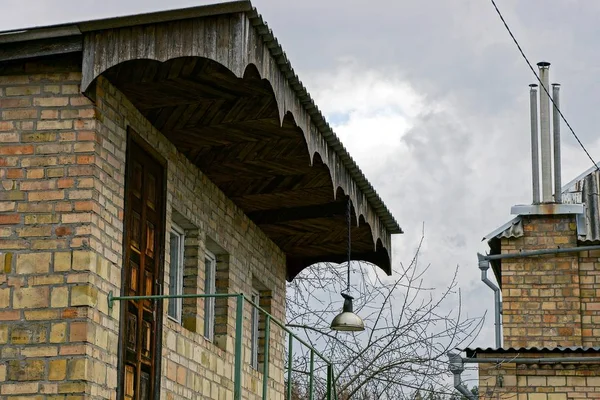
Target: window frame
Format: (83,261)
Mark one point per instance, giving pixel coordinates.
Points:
(254,329)
(179,232)
(210,287)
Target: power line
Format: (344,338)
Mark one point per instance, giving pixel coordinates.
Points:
(542,85)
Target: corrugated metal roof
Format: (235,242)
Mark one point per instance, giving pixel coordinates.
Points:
(489,350)
(582,190)
(77,28)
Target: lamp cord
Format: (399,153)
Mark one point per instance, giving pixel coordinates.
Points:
(349,217)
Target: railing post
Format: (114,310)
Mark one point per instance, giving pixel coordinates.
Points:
(266,357)
(329,380)
(290,361)
(239,322)
(311,380)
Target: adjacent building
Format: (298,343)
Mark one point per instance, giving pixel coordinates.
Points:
(547,265)
(167,153)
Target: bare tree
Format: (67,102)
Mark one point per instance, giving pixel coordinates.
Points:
(409,330)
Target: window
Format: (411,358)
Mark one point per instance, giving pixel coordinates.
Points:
(176,271)
(255,328)
(210,272)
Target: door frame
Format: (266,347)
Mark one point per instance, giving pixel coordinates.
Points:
(134,137)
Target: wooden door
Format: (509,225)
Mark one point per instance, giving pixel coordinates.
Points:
(144,237)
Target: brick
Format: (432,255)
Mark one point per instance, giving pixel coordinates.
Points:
(35,173)
(39,161)
(63,231)
(56,173)
(7,206)
(46,195)
(39,218)
(10,315)
(3,334)
(51,101)
(39,351)
(4,297)
(22,388)
(54,125)
(33,263)
(84,296)
(26,370)
(77,368)
(76,218)
(59,297)
(57,370)
(58,332)
(38,185)
(53,148)
(41,315)
(10,219)
(12,195)
(13,103)
(48,244)
(38,137)
(6,126)
(9,137)
(62,261)
(36,297)
(22,90)
(15,173)
(18,114)
(16,149)
(35,231)
(78,331)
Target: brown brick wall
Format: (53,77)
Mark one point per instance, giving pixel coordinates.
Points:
(62,164)
(541,295)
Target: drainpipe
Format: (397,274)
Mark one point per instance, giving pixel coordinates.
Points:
(484,265)
(456,366)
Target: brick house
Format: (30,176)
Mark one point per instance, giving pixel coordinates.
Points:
(547,264)
(165,153)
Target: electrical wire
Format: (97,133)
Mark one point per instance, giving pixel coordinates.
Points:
(542,85)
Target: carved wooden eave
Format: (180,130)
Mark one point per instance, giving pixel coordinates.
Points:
(216,82)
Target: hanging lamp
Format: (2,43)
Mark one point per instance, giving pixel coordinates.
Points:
(347,321)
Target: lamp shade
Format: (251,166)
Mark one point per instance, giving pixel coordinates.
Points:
(346,320)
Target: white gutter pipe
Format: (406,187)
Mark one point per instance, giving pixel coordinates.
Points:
(484,265)
(456,366)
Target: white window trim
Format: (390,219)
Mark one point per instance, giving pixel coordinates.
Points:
(255,321)
(180,233)
(209,288)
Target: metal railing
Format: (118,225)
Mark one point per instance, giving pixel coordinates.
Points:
(331,393)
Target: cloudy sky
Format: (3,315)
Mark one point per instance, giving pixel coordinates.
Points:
(431,99)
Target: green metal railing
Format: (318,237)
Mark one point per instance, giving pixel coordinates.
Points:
(331,393)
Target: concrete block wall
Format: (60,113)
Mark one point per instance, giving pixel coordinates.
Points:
(62,165)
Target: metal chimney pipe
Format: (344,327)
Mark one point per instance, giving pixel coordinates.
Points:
(556,139)
(545,138)
(535,159)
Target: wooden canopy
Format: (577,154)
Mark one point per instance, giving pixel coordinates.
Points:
(215,81)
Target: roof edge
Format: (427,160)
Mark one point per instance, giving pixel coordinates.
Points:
(325,130)
(77,28)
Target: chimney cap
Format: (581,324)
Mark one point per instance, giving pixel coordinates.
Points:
(543,64)
(533,85)
(556,84)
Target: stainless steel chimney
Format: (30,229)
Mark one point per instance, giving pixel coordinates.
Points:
(556,140)
(535,159)
(545,138)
